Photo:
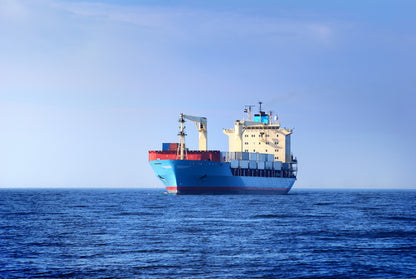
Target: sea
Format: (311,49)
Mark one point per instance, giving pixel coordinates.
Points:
(146,233)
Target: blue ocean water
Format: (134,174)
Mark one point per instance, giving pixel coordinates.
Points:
(147,234)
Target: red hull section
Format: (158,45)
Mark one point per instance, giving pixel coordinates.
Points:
(214,156)
(226,190)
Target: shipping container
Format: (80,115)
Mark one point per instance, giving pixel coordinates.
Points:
(270,157)
(285,166)
(234,164)
(169,146)
(244,164)
(252,164)
(245,156)
(165,146)
(269,165)
(261,165)
(190,155)
(253,156)
(277,165)
(262,157)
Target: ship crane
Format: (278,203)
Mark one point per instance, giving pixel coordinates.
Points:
(201,125)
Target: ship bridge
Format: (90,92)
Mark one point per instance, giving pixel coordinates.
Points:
(262,134)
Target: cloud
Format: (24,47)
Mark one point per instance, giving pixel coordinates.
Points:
(149,17)
(73,45)
(13,9)
(188,22)
(320,31)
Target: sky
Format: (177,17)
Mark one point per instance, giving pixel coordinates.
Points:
(88,87)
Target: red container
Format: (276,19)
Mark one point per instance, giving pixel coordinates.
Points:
(173,146)
(214,155)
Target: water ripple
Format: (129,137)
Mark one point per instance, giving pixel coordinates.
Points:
(144,233)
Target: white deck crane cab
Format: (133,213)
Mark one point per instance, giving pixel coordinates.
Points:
(201,125)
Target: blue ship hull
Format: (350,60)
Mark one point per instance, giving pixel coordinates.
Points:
(209,177)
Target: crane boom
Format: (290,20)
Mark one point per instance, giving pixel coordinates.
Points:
(201,125)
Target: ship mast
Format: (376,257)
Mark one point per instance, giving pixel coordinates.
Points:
(181,150)
(247,110)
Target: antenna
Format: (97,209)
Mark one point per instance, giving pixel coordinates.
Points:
(248,111)
(260,106)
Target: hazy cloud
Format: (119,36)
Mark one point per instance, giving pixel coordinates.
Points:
(13,9)
(194,22)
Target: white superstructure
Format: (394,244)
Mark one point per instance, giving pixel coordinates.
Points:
(263,135)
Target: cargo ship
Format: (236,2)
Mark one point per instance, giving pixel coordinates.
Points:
(259,159)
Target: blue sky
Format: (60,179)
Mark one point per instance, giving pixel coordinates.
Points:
(88,87)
